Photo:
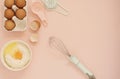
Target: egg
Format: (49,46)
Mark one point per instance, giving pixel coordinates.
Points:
(20,13)
(34,38)
(9,13)
(35,25)
(9,25)
(9,3)
(20,3)
(16,55)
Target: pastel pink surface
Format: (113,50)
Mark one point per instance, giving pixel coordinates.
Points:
(91,32)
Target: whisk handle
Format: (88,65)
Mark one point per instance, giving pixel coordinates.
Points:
(76,61)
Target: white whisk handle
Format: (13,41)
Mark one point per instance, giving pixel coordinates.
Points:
(76,61)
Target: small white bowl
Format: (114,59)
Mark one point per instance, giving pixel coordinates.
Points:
(2,57)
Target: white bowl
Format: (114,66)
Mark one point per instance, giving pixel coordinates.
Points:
(6,65)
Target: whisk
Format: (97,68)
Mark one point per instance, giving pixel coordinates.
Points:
(59,45)
(53,4)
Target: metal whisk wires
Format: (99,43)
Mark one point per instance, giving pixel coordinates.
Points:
(59,45)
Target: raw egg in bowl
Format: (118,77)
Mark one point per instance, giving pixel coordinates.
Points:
(16,55)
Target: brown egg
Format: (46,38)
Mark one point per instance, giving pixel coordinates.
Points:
(9,3)
(20,3)
(20,13)
(9,25)
(9,13)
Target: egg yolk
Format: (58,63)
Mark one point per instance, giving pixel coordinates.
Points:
(18,55)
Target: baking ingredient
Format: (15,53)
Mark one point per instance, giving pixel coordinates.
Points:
(9,25)
(34,38)
(35,25)
(9,3)
(16,55)
(20,13)
(20,3)
(9,13)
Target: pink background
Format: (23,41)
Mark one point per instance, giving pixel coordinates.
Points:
(91,32)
